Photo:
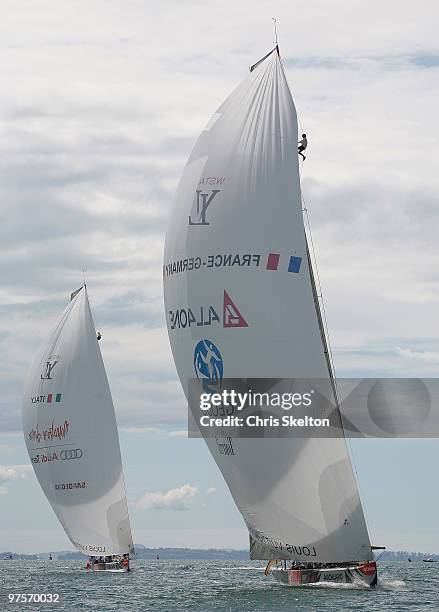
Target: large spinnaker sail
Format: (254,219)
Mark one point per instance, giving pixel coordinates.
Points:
(239,297)
(71,435)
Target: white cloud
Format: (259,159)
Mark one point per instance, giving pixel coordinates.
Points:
(210,491)
(7,473)
(432,356)
(6,448)
(179,433)
(11,472)
(175,499)
(141,430)
(100,108)
(97,129)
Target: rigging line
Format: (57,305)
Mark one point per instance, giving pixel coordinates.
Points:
(338,481)
(325,319)
(93,314)
(320,293)
(351,452)
(300,123)
(331,356)
(325,324)
(320,296)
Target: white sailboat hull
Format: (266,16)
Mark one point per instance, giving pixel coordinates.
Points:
(357,573)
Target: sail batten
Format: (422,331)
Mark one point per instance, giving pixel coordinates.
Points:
(71,434)
(237,230)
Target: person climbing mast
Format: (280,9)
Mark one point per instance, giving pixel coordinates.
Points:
(302,146)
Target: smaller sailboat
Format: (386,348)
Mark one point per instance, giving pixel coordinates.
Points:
(71,436)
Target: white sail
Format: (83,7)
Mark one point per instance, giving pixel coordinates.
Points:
(71,435)
(239,297)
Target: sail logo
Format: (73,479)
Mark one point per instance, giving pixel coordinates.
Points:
(70,486)
(332,576)
(273,260)
(46,375)
(368,569)
(200,206)
(212,180)
(208,365)
(246,261)
(65,455)
(44,457)
(46,399)
(231,315)
(183,318)
(49,433)
(71,453)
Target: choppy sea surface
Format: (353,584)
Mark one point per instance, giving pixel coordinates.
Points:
(211,586)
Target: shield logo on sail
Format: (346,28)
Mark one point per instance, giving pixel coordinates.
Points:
(208,365)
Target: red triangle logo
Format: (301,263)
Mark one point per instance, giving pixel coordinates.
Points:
(231,315)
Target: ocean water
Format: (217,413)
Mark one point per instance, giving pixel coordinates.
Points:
(202,586)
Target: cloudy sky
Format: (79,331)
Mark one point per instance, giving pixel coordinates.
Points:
(100,104)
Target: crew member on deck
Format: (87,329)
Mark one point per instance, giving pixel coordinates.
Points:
(126,562)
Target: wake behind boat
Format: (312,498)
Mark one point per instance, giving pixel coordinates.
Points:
(236,246)
(71,436)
